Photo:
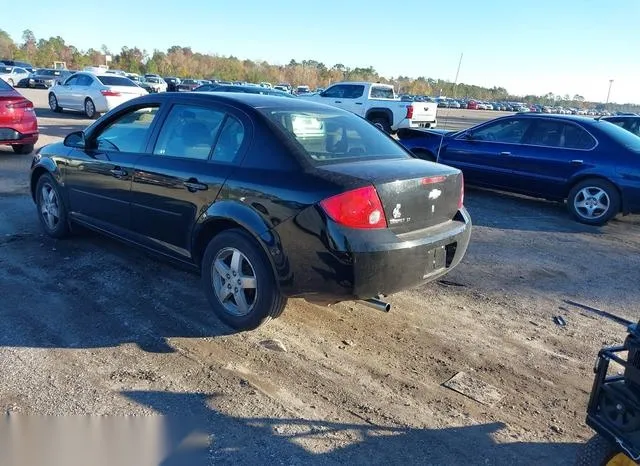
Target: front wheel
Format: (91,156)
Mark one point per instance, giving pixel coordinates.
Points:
(594,201)
(53,213)
(53,103)
(239,281)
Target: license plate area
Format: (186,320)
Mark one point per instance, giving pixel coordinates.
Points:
(436,260)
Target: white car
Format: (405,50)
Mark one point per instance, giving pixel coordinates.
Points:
(93,94)
(13,74)
(155,82)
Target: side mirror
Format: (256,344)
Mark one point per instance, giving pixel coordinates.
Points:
(76,140)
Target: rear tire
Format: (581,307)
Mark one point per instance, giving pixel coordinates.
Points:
(596,452)
(90,109)
(53,103)
(382,124)
(594,201)
(23,149)
(245,295)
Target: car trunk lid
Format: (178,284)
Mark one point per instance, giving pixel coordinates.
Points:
(415,194)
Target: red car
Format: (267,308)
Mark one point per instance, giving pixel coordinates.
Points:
(472,105)
(18,123)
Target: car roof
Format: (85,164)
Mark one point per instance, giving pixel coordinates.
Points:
(263,101)
(546,116)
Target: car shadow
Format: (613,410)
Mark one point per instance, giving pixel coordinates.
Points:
(501,210)
(46,112)
(89,291)
(238,440)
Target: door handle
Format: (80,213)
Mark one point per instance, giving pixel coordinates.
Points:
(358,103)
(577,162)
(118,172)
(338,101)
(505,153)
(194,185)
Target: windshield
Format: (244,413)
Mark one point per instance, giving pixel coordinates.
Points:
(329,136)
(621,135)
(115,81)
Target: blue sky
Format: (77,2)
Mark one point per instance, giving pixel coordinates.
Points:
(562,46)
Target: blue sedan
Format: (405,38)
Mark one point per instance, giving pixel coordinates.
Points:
(593,164)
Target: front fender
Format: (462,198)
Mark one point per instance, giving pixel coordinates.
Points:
(40,165)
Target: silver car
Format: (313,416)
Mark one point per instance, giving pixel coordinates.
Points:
(13,74)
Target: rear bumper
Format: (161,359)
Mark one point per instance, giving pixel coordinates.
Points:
(10,136)
(418,123)
(329,264)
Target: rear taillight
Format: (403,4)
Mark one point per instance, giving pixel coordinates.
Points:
(409,112)
(24,104)
(109,93)
(461,201)
(359,208)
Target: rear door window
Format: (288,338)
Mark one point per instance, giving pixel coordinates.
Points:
(115,81)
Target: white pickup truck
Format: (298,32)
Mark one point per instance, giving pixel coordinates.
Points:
(378,104)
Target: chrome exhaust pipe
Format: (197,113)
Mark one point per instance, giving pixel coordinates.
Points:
(377,304)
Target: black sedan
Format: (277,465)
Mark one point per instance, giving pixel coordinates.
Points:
(268,197)
(594,165)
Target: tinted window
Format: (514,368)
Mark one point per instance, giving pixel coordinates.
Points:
(334,91)
(575,137)
(229,141)
(4,86)
(84,80)
(5,69)
(334,136)
(115,81)
(129,132)
(547,133)
(508,131)
(73,80)
(189,132)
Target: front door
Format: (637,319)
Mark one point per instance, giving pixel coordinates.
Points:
(194,153)
(99,177)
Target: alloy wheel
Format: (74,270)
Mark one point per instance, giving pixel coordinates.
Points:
(49,206)
(591,202)
(234,281)
(53,102)
(89,108)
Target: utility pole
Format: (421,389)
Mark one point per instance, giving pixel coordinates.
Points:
(609,92)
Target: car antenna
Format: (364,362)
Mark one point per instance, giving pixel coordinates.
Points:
(446,118)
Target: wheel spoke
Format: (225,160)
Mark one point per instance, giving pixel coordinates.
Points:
(52,196)
(601,206)
(241,301)
(580,204)
(248,282)
(584,192)
(223,293)
(221,268)
(236,258)
(599,195)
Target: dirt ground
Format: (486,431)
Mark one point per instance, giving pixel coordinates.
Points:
(89,326)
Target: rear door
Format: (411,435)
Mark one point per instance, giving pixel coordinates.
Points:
(552,153)
(195,150)
(483,153)
(99,179)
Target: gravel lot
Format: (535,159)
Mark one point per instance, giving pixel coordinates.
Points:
(93,327)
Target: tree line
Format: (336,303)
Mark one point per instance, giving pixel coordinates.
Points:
(185,63)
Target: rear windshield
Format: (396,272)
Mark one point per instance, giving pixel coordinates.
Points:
(115,81)
(621,135)
(328,136)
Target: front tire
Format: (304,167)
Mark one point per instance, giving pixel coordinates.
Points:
(90,109)
(23,149)
(239,282)
(51,208)
(594,201)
